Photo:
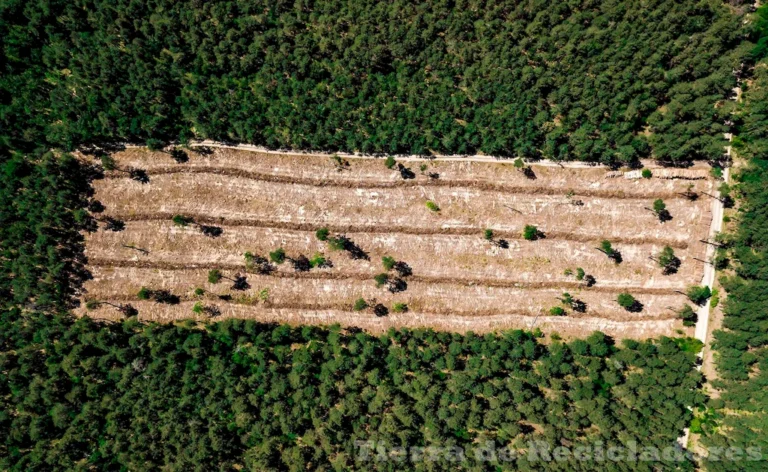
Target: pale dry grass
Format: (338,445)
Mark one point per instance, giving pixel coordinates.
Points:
(461,282)
(456,256)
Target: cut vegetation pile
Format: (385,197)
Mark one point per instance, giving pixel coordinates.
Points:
(500,248)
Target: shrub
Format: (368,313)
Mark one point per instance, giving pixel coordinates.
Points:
(322,234)
(108,163)
(556,311)
(715,298)
(199,292)
(388,262)
(399,308)
(699,294)
(432,206)
(264,294)
(488,234)
(390,162)
(277,256)
(646,173)
(92,304)
(381,279)
(144,293)
(715,172)
(360,305)
(688,315)
(318,260)
(568,272)
(626,301)
(214,276)
(530,233)
(181,220)
(580,274)
(198,309)
(668,261)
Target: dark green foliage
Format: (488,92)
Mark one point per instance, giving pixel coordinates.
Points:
(626,301)
(42,201)
(213,396)
(322,234)
(646,173)
(277,256)
(698,295)
(388,262)
(668,261)
(531,233)
(688,315)
(214,276)
(488,235)
(569,80)
(742,345)
(390,162)
(145,293)
(181,220)
(381,279)
(556,311)
(360,304)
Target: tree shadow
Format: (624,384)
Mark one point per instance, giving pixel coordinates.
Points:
(403,269)
(203,150)
(112,224)
(397,285)
(179,155)
(165,297)
(380,310)
(672,267)
(636,307)
(301,264)
(502,243)
(139,175)
(405,173)
(240,282)
(664,216)
(211,231)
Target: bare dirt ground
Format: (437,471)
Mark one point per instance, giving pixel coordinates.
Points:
(460,281)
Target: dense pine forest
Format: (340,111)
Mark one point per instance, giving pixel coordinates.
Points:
(742,346)
(580,79)
(607,81)
(77,395)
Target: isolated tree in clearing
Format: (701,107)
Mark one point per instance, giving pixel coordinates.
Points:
(667,260)
(607,248)
(660,210)
(532,233)
(125,309)
(207,230)
(239,282)
(628,302)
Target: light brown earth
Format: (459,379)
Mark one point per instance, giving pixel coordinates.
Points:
(460,281)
